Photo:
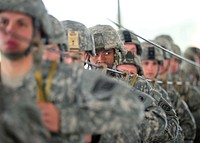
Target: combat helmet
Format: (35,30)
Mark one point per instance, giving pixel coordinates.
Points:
(176,49)
(34,8)
(150,52)
(132,59)
(106,37)
(190,52)
(166,37)
(165,44)
(129,37)
(58,34)
(78,36)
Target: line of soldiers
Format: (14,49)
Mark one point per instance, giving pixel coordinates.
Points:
(62,82)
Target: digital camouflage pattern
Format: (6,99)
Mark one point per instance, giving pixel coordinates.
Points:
(186,120)
(132,59)
(165,44)
(176,49)
(192,72)
(166,37)
(190,94)
(130,38)
(126,136)
(58,33)
(20,118)
(34,8)
(171,130)
(106,37)
(192,99)
(150,52)
(78,36)
(95,107)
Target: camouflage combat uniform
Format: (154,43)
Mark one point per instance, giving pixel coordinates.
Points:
(155,118)
(20,118)
(180,106)
(143,85)
(189,89)
(88,102)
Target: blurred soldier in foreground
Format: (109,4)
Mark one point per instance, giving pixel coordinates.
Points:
(20,120)
(69,107)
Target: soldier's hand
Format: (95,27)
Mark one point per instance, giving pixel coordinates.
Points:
(87,138)
(50,116)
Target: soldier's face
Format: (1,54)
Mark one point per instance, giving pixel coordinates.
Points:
(165,66)
(174,65)
(104,57)
(150,68)
(131,47)
(16,31)
(131,69)
(51,53)
(197,58)
(74,57)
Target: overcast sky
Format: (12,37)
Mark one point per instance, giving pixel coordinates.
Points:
(148,18)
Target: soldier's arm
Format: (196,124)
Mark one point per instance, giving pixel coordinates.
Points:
(155,121)
(172,129)
(20,118)
(98,104)
(187,121)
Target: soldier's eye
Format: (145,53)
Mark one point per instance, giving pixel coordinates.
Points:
(155,63)
(107,53)
(22,23)
(3,22)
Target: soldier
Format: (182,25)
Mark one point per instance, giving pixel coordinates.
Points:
(69,107)
(108,51)
(192,94)
(130,63)
(57,42)
(80,41)
(187,123)
(131,42)
(20,118)
(193,73)
(152,59)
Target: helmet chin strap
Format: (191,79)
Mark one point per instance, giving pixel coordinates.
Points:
(17,56)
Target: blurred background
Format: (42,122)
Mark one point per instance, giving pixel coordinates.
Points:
(147,18)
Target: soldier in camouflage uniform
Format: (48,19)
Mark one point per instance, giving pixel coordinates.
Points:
(142,84)
(57,42)
(80,41)
(69,107)
(192,72)
(186,119)
(192,94)
(176,74)
(20,118)
(131,42)
(107,45)
(154,123)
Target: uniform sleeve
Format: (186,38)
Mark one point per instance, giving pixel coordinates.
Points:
(98,104)
(20,119)
(187,121)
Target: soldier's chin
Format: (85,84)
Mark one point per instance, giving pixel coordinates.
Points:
(12,55)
